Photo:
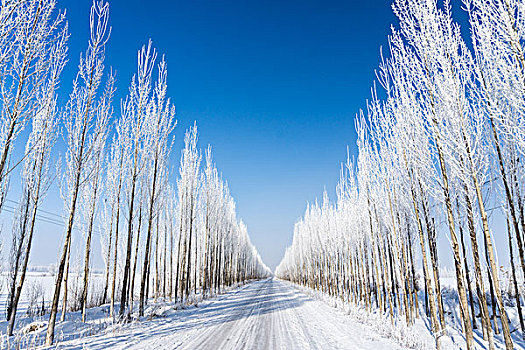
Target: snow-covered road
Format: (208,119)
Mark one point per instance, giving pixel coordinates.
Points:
(267,314)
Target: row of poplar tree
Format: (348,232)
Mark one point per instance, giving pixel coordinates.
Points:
(440,150)
(161,238)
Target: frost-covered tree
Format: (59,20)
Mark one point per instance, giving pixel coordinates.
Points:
(85,127)
(117,162)
(188,186)
(91,191)
(35,182)
(32,44)
(126,190)
(135,110)
(428,151)
(160,124)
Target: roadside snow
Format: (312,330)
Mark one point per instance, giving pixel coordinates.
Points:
(267,314)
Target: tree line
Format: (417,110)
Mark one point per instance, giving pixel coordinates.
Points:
(174,240)
(440,147)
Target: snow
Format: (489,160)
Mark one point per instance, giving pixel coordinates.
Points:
(418,335)
(40,284)
(265,314)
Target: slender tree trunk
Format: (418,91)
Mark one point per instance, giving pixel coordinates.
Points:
(413,272)
(115,254)
(164,262)
(115,261)
(60,273)
(378,293)
(467,275)
(490,255)
(66,281)
(148,240)
(492,297)
(485,321)
(83,300)
(157,263)
(170,289)
(463,303)
(431,235)
(514,281)
(124,292)
(387,279)
(437,327)
(17,252)
(188,271)
(18,290)
(132,288)
(397,254)
(108,259)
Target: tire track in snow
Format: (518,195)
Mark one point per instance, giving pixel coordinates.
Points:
(267,314)
(214,337)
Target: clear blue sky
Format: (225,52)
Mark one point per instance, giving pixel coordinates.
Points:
(274,87)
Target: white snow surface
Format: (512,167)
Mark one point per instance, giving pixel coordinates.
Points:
(266,314)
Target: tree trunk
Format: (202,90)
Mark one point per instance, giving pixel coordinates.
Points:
(188,270)
(17,252)
(132,288)
(108,260)
(492,297)
(164,262)
(514,281)
(398,259)
(437,327)
(463,303)
(18,290)
(493,274)
(66,281)
(83,300)
(134,179)
(485,321)
(148,242)
(157,263)
(467,275)
(432,245)
(60,273)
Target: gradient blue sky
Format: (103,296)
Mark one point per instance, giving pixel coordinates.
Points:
(273,85)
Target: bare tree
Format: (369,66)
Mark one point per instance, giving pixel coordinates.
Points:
(35,181)
(135,109)
(91,191)
(160,124)
(32,44)
(82,127)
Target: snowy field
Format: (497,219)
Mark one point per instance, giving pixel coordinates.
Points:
(37,295)
(38,289)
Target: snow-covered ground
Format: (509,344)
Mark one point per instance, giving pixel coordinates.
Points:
(39,287)
(418,335)
(266,314)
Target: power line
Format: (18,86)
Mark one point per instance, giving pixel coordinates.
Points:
(42,218)
(42,210)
